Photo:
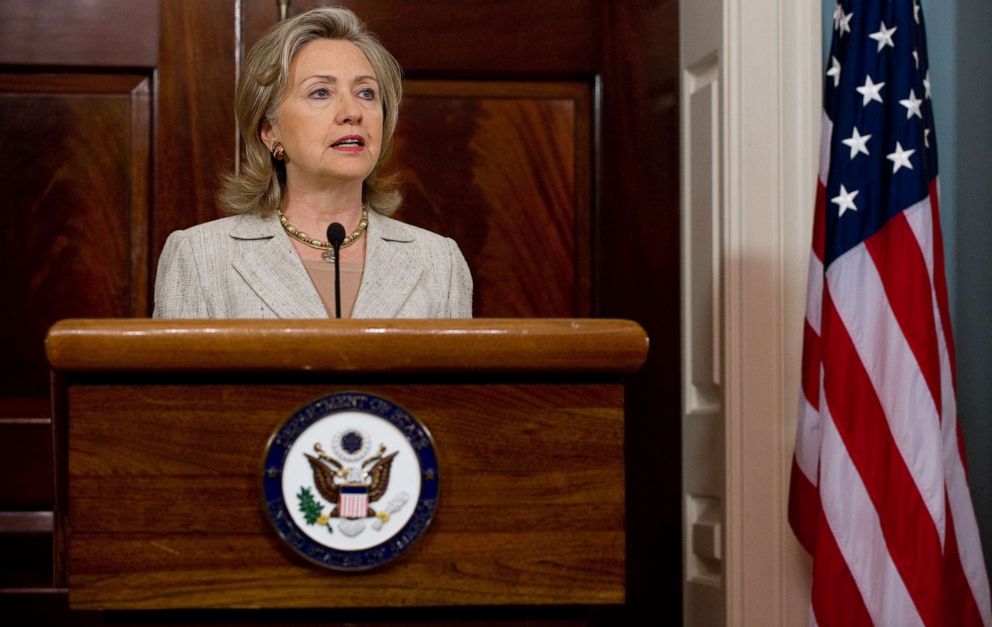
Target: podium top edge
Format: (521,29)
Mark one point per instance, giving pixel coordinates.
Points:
(355,346)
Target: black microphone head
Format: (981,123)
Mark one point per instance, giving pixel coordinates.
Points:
(335,234)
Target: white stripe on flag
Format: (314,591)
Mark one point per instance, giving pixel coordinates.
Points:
(826,132)
(814,292)
(855,525)
(921,224)
(808,438)
(910,411)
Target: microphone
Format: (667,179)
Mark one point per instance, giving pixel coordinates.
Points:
(335,237)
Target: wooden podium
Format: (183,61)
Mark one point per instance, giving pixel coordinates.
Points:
(161,428)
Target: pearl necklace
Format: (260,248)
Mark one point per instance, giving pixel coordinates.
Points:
(313,242)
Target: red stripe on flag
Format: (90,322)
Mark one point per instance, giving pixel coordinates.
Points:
(909,531)
(940,281)
(960,607)
(811,365)
(903,270)
(804,507)
(835,597)
(820,221)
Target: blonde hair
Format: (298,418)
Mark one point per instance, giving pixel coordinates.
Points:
(258,187)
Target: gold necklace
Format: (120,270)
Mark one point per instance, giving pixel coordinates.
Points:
(313,242)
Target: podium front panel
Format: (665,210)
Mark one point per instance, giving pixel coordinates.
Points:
(165,502)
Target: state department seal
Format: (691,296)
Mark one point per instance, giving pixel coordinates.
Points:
(350,481)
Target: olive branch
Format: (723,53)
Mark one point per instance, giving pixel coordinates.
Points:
(310,508)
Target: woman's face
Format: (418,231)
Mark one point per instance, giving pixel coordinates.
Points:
(330,121)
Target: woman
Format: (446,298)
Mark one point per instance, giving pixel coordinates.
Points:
(317,105)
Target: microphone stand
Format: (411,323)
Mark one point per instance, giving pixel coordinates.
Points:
(335,237)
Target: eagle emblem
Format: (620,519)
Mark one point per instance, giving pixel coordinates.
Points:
(350,480)
(350,485)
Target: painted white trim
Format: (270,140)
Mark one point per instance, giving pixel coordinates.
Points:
(748,180)
(771,114)
(701,112)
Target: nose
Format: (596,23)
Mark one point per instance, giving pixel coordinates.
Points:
(349,112)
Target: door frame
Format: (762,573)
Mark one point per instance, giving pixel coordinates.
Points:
(766,67)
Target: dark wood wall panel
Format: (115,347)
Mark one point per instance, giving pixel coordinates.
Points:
(638,243)
(74,227)
(70,33)
(502,168)
(26,462)
(195,131)
(468,37)
(27,563)
(67,219)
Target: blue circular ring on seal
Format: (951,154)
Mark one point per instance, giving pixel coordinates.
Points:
(350,481)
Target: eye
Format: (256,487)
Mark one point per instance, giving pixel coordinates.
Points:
(321,92)
(367,93)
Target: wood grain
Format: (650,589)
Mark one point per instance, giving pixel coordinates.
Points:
(69,33)
(468,38)
(80,198)
(505,179)
(637,239)
(165,499)
(67,245)
(356,346)
(195,131)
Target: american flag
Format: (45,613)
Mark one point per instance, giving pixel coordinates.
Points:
(879,494)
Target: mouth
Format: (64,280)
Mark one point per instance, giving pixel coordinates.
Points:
(349,142)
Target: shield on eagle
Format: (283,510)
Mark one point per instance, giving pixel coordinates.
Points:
(353,501)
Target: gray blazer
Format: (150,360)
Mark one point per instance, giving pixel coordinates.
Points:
(245,267)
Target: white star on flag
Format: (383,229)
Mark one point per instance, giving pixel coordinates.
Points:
(926,86)
(834,70)
(884,37)
(845,201)
(844,23)
(912,105)
(926,137)
(870,90)
(916,11)
(916,59)
(900,158)
(857,142)
(838,14)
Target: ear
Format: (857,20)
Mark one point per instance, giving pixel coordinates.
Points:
(268,134)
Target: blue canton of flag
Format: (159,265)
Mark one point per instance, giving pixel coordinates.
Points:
(877,93)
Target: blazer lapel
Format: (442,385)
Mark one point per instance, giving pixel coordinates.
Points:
(273,270)
(391,269)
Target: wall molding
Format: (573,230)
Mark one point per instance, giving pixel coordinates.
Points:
(771,123)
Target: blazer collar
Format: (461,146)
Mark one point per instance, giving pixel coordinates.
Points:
(392,269)
(273,270)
